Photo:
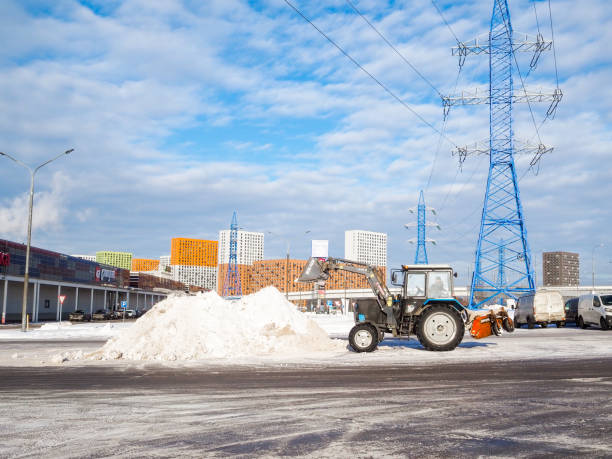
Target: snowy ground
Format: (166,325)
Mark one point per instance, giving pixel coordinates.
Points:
(50,341)
(540,392)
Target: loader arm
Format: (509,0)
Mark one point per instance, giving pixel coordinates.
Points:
(318,270)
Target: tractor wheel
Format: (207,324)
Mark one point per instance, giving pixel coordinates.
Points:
(581,323)
(363,338)
(603,324)
(440,328)
(530,322)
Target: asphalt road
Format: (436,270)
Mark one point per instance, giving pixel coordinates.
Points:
(533,408)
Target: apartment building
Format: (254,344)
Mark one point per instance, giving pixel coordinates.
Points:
(366,247)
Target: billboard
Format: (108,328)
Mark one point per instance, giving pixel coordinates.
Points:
(5,259)
(105,275)
(320,248)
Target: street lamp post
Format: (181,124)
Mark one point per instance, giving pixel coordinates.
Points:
(593,264)
(26,276)
(287,264)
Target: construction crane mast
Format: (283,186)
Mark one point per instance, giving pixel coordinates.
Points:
(420,257)
(503,266)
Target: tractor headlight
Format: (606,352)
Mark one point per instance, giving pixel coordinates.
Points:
(409,308)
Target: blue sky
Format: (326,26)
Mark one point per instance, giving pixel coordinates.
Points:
(181,112)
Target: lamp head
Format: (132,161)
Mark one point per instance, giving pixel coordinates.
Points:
(67,152)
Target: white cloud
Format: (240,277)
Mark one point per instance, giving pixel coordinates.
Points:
(182,112)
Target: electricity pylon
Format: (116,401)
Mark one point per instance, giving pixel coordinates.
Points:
(502,213)
(231,286)
(421,253)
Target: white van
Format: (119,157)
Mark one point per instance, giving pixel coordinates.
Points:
(595,309)
(540,308)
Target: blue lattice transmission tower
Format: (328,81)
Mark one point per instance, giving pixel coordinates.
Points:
(420,257)
(231,285)
(503,259)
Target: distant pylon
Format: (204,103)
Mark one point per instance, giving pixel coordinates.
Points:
(231,286)
(420,257)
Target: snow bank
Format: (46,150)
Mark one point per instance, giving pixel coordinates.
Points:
(206,325)
(55,326)
(67,331)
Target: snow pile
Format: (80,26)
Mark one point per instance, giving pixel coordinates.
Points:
(206,325)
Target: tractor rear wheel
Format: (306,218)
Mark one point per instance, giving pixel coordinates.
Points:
(440,328)
(363,338)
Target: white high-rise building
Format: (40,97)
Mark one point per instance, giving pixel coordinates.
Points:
(202,276)
(366,247)
(250,247)
(164,263)
(85,257)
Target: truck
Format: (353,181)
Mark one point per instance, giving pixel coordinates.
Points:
(540,308)
(425,307)
(595,309)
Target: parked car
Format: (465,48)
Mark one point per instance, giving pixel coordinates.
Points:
(571,310)
(540,308)
(117,314)
(131,313)
(595,309)
(79,316)
(100,314)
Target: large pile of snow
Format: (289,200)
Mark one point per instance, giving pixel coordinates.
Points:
(206,325)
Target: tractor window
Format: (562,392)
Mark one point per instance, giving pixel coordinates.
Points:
(415,284)
(439,285)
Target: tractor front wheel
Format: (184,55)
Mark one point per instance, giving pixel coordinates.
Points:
(363,338)
(440,328)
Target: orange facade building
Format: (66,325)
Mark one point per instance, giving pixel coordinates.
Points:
(144,264)
(193,252)
(282,274)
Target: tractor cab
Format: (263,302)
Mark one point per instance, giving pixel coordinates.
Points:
(424,282)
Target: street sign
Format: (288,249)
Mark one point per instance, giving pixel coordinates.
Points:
(62,298)
(124,304)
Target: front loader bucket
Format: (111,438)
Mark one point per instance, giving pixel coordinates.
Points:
(313,271)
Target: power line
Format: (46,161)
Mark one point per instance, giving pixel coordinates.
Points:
(433,165)
(394,48)
(552,37)
(391,93)
(445,22)
(535,10)
(439,143)
(518,69)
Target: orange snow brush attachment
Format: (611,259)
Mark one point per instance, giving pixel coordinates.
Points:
(491,323)
(482,325)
